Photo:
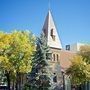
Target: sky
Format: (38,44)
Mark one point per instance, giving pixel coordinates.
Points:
(72,17)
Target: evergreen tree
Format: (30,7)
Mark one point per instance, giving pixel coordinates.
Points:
(40,75)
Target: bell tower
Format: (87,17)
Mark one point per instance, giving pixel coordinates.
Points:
(51,33)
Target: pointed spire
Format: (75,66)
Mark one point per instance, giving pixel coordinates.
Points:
(50,31)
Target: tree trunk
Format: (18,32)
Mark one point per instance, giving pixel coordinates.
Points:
(8,79)
(18,81)
(13,86)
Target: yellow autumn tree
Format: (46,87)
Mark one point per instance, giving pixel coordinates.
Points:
(85,53)
(16,50)
(79,71)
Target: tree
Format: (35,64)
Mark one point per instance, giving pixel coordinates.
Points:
(5,65)
(85,53)
(79,71)
(40,75)
(16,50)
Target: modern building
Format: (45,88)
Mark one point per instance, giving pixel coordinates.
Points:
(75,47)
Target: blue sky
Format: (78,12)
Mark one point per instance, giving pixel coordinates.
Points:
(72,17)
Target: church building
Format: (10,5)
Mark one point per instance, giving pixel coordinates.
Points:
(59,55)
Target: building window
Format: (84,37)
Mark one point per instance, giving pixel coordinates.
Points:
(51,32)
(68,47)
(57,57)
(53,57)
(52,35)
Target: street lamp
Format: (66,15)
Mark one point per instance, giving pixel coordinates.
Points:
(63,77)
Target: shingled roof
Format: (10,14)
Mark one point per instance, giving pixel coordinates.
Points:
(65,57)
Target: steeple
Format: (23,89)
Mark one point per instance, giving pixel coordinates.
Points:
(51,33)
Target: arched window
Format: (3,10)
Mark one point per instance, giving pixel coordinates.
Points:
(57,57)
(51,32)
(53,57)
